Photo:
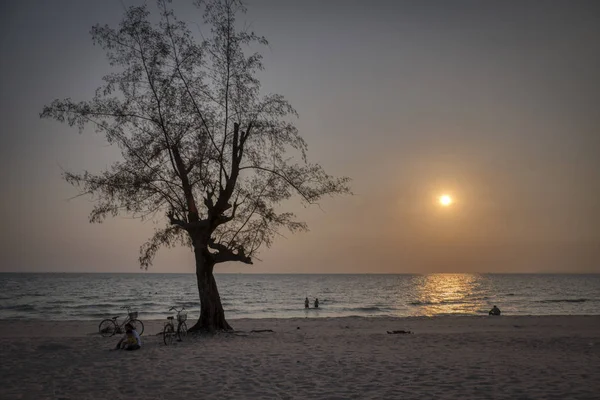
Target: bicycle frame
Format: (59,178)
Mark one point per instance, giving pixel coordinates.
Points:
(127,320)
(169,331)
(179,320)
(121,326)
(110,326)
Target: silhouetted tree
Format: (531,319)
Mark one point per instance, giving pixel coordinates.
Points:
(200,143)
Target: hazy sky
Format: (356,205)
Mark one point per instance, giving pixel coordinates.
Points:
(496,103)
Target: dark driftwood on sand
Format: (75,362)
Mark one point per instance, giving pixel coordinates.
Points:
(398,332)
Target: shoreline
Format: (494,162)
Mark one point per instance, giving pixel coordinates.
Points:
(310,317)
(471,323)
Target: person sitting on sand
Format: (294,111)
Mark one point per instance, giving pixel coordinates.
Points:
(495,311)
(306,303)
(131,340)
(316,303)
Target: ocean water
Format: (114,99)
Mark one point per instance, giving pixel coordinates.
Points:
(96,296)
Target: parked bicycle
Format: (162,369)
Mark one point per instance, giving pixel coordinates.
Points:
(109,327)
(170,332)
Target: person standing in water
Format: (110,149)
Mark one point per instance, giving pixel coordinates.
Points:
(316,303)
(306,303)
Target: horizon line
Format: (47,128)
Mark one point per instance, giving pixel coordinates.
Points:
(304,273)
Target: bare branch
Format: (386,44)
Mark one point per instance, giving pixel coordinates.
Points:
(225,254)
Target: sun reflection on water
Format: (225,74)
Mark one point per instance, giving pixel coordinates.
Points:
(439,294)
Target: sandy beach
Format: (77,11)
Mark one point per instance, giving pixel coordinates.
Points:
(546,357)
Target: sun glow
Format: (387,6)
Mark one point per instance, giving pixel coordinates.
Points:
(445,200)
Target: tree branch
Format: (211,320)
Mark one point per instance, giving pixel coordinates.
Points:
(225,254)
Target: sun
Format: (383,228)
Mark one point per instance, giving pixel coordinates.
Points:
(445,200)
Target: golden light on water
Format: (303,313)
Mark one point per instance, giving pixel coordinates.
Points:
(440,294)
(445,200)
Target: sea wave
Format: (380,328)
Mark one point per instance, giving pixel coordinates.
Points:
(564,301)
(435,303)
(369,309)
(94,315)
(18,307)
(151,304)
(92,306)
(59,302)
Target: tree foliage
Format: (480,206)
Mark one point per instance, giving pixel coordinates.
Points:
(201,144)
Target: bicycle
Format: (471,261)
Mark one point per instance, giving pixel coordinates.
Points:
(109,327)
(169,330)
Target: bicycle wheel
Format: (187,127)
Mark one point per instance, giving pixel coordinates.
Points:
(182,331)
(138,325)
(107,328)
(168,334)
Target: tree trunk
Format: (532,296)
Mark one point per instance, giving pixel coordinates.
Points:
(212,315)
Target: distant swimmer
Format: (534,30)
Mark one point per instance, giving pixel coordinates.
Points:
(316,303)
(306,303)
(495,311)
